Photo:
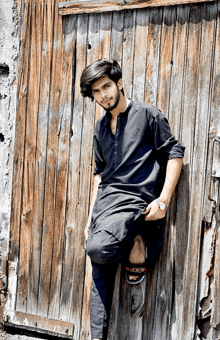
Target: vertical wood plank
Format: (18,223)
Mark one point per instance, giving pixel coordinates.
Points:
(117,36)
(166,55)
(153,55)
(215,122)
(72,226)
(140,51)
(20,132)
(63,135)
(51,168)
(198,169)
(128,51)
(69,62)
(41,147)
(163,306)
(177,69)
(179,211)
(189,99)
(30,148)
(149,313)
(60,143)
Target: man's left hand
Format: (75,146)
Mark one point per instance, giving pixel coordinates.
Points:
(153,212)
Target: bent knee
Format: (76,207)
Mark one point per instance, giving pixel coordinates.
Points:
(103,248)
(96,253)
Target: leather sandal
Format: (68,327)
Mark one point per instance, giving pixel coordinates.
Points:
(135,269)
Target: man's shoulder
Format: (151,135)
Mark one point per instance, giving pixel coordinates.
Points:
(150,109)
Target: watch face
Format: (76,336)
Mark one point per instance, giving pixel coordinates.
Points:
(162,206)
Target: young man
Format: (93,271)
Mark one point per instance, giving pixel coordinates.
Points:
(138,163)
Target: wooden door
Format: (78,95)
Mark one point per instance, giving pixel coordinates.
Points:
(170,58)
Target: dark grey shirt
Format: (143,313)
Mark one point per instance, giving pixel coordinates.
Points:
(132,163)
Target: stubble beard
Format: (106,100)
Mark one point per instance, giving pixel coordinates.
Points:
(113,106)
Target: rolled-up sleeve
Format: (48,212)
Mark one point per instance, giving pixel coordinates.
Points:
(164,141)
(99,160)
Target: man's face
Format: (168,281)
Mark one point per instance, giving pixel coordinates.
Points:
(107,93)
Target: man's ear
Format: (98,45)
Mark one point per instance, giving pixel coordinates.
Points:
(120,84)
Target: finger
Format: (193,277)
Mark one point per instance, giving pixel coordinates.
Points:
(147,210)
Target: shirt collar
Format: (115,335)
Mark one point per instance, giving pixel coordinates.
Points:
(121,114)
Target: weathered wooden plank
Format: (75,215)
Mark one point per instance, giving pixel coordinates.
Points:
(128,51)
(191,81)
(69,62)
(20,134)
(189,98)
(63,134)
(166,54)
(149,315)
(140,51)
(41,148)
(47,253)
(40,324)
(198,170)
(163,308)
(81,7)
(177,215)
(177,69)
(117,36)
(115,311)
(72,225)
(215,300)
(25,237)
(208,301)
(58,141)
(30,148)
(164,291)
(153,54)
(215,122)
(213,131)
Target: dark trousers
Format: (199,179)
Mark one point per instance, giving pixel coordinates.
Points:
(106,251)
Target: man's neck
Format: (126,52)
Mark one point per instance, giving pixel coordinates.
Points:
(121,107)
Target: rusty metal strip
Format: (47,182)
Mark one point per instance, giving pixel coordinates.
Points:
(98,6)
(39,324)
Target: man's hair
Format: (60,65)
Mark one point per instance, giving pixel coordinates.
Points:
(97,70)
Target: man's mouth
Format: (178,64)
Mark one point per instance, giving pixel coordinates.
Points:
(106,100)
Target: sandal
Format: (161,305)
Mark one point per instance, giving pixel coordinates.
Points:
(135,269)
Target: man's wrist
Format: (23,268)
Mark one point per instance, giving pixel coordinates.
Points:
(161,205)
(164,200)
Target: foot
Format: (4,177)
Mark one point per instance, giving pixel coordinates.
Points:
(138,253)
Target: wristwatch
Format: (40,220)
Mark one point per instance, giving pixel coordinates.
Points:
(162,205)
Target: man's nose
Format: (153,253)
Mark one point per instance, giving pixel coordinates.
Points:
(103,94)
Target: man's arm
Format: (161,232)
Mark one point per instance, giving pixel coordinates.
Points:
(153,212)
(97,180)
